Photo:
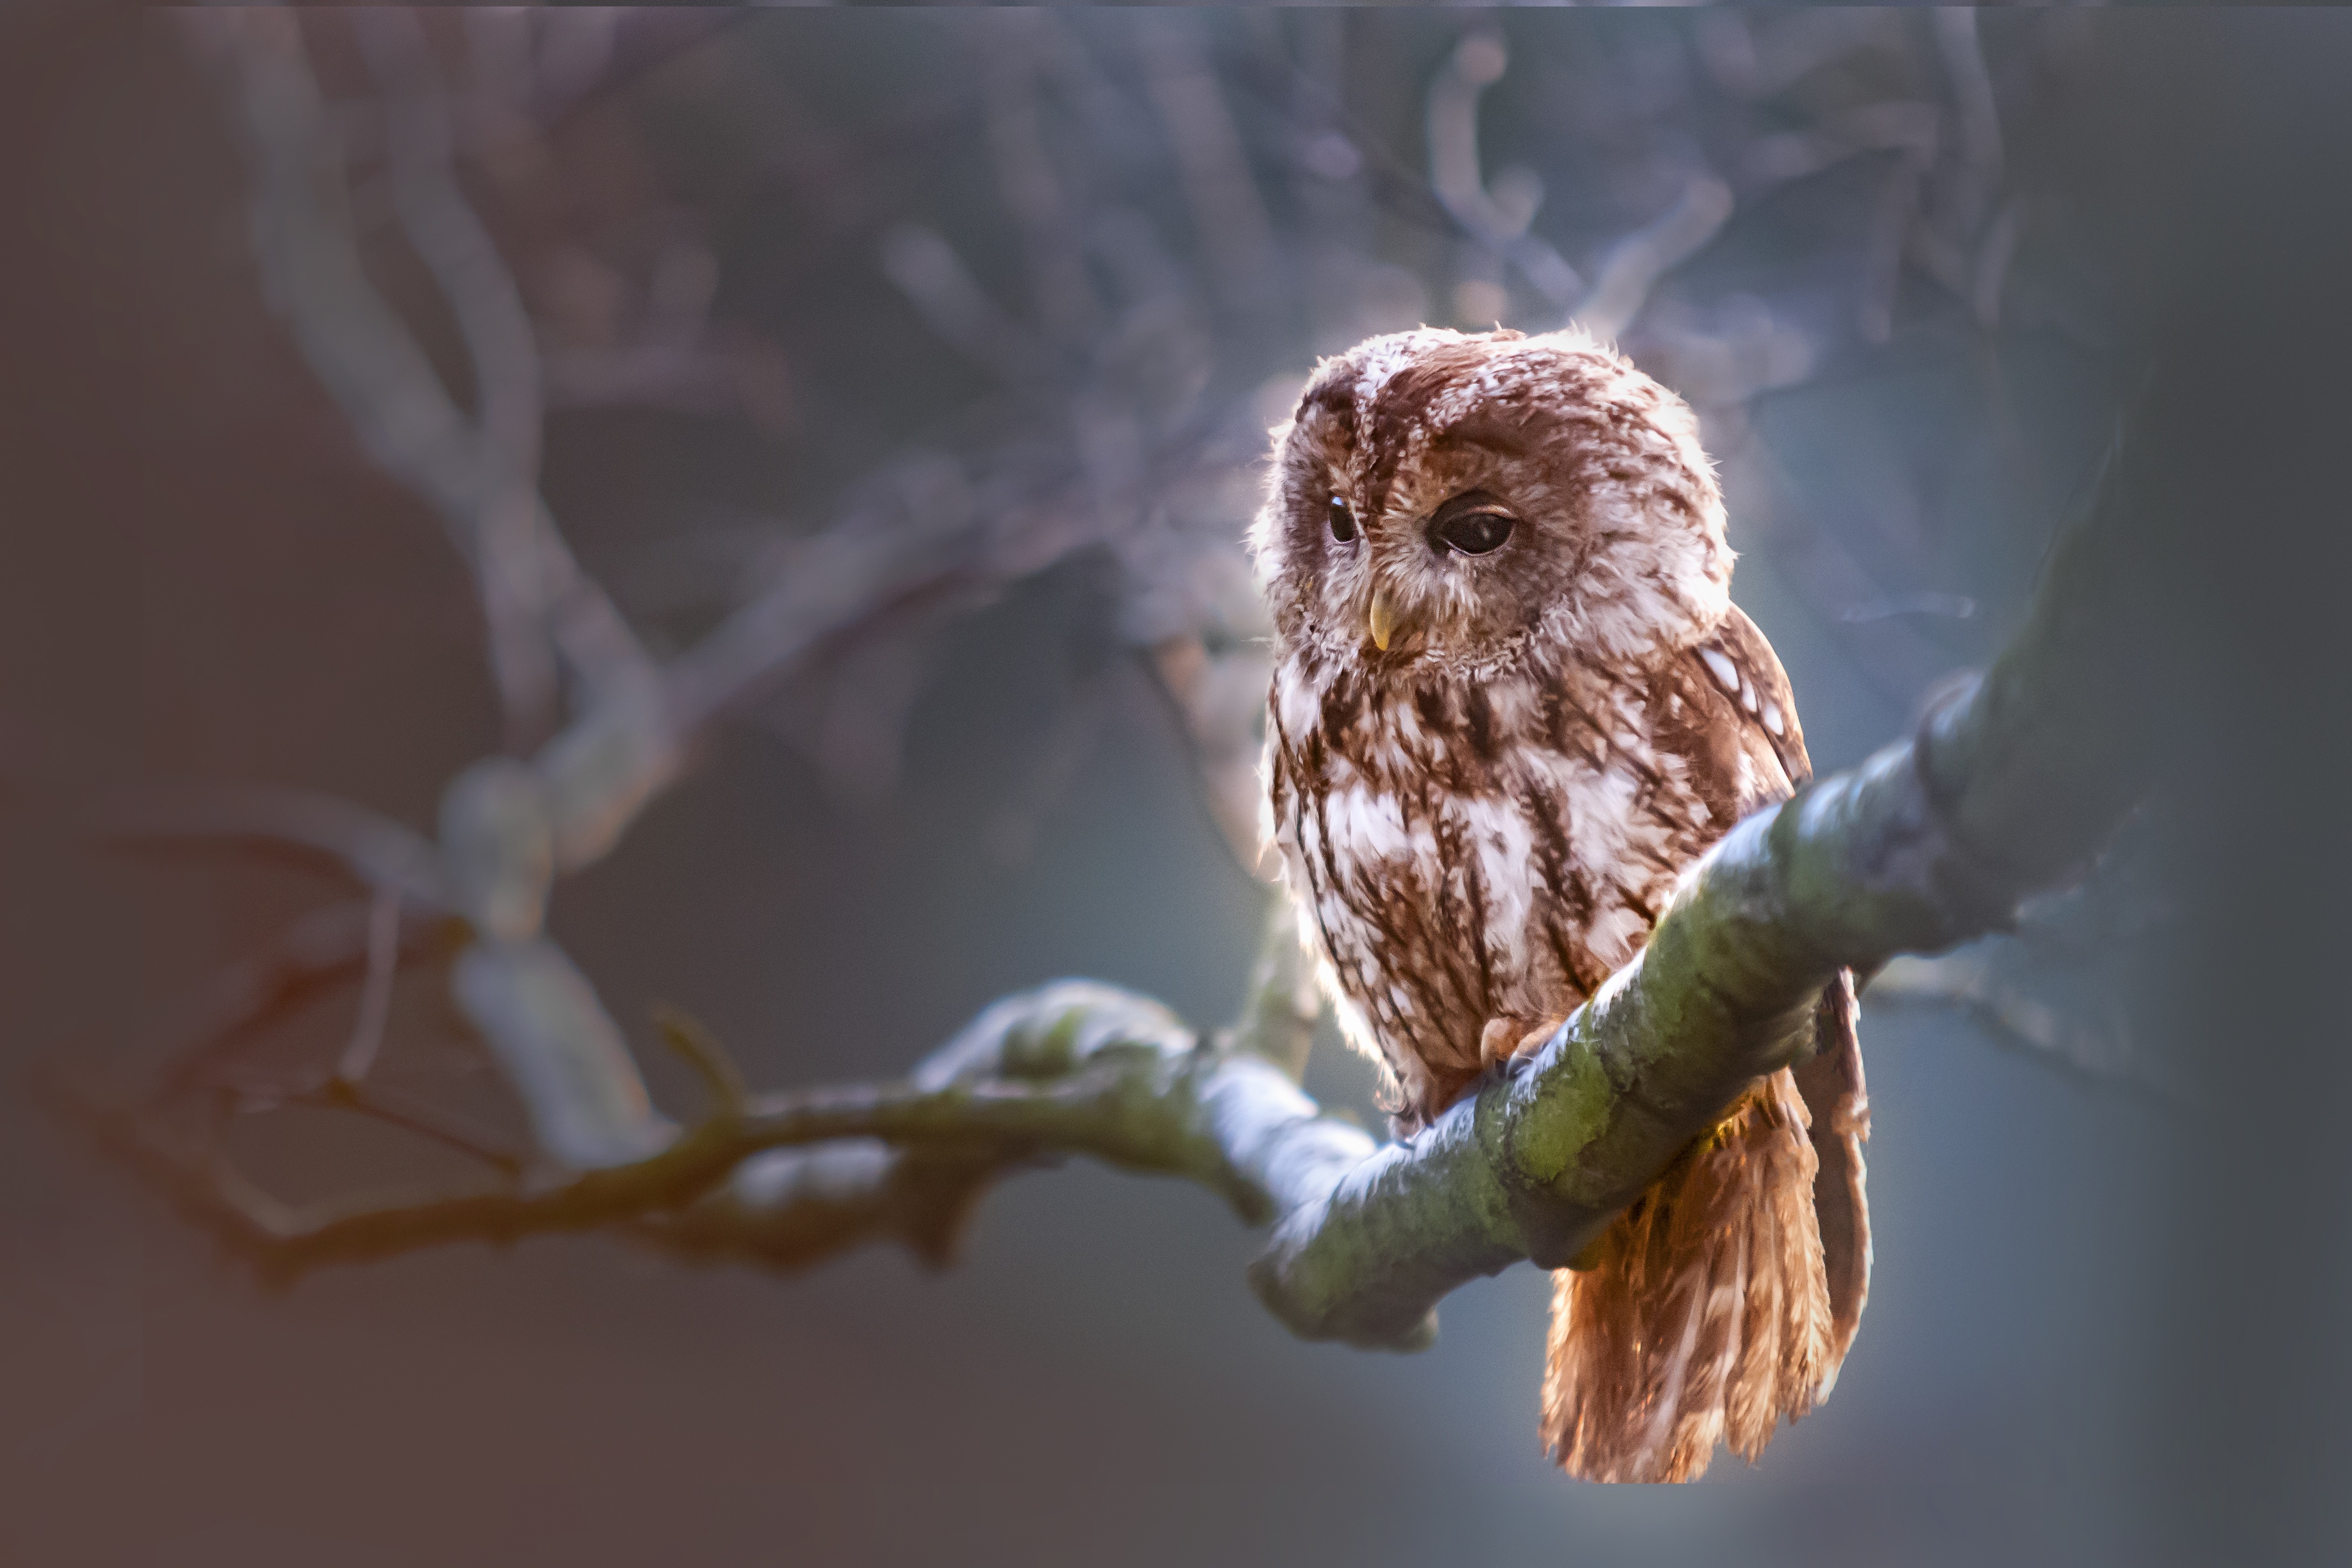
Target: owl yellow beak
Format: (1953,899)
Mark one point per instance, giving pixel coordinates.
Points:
(1384,619)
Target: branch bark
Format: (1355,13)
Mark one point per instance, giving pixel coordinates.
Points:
(1072,1067)
(2008,787)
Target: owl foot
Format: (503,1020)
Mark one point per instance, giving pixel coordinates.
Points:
(1507,1040)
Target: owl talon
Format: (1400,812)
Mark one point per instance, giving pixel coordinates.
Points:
(1498,1041)
(1508,1043)
(1535,1038)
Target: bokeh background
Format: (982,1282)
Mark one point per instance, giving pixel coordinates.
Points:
(799,276)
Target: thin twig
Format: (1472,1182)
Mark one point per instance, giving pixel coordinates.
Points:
(1221,191)
(2011,1018)
(375,994)
(321,950)
(430,1122)
(1981,153)
(447,234)
(1637,262)
(367,846)
(1500,221)
(698,1048)
(304,240)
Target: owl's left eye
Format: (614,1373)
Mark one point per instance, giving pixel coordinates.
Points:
(1472,525)
(1343,521)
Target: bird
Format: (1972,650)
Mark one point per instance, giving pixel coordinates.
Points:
(1512,705)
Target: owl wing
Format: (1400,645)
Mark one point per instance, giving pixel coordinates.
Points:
(1737,729)
(1737,705)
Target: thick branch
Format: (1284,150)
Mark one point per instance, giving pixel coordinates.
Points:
(2008,787)
(1072,1067)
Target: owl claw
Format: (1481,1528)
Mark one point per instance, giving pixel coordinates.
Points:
(1510,1043)
(1498,1040)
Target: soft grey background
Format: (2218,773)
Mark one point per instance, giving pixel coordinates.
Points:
(202,579)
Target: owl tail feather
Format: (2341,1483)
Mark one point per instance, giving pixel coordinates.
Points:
(1706,1315)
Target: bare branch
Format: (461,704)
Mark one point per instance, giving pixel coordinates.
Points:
(1892,226)
(1497,218)
(375,993)
(1066,304)
(1980,155)
(1227,212)
(371,848)
(793,1208)
(856,572)
(700,1049)
(2011,1015)
(1478,62)
(562,1052)
(359,347)
(322,950)
(927,270)
(1990,270)
(1639,259)
(1283,1002)
(437,221)
(1073,1069)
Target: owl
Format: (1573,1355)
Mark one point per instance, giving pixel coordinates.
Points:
(1512,705)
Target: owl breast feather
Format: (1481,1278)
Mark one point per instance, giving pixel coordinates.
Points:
(1461,855)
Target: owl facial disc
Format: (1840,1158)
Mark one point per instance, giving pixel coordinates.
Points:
(1461,506)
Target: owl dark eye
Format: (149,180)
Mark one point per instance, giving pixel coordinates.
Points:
(1472,525)
(1343,521)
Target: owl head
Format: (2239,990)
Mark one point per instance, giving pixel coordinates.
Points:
(1453,503)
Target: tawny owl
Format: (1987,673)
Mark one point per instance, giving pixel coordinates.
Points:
(1512,704)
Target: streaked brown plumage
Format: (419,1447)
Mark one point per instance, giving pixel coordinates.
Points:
(1512,703)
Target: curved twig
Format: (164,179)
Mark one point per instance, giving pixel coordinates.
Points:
(323,949)
(322,829)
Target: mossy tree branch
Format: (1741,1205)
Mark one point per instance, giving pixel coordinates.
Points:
(2010,784)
